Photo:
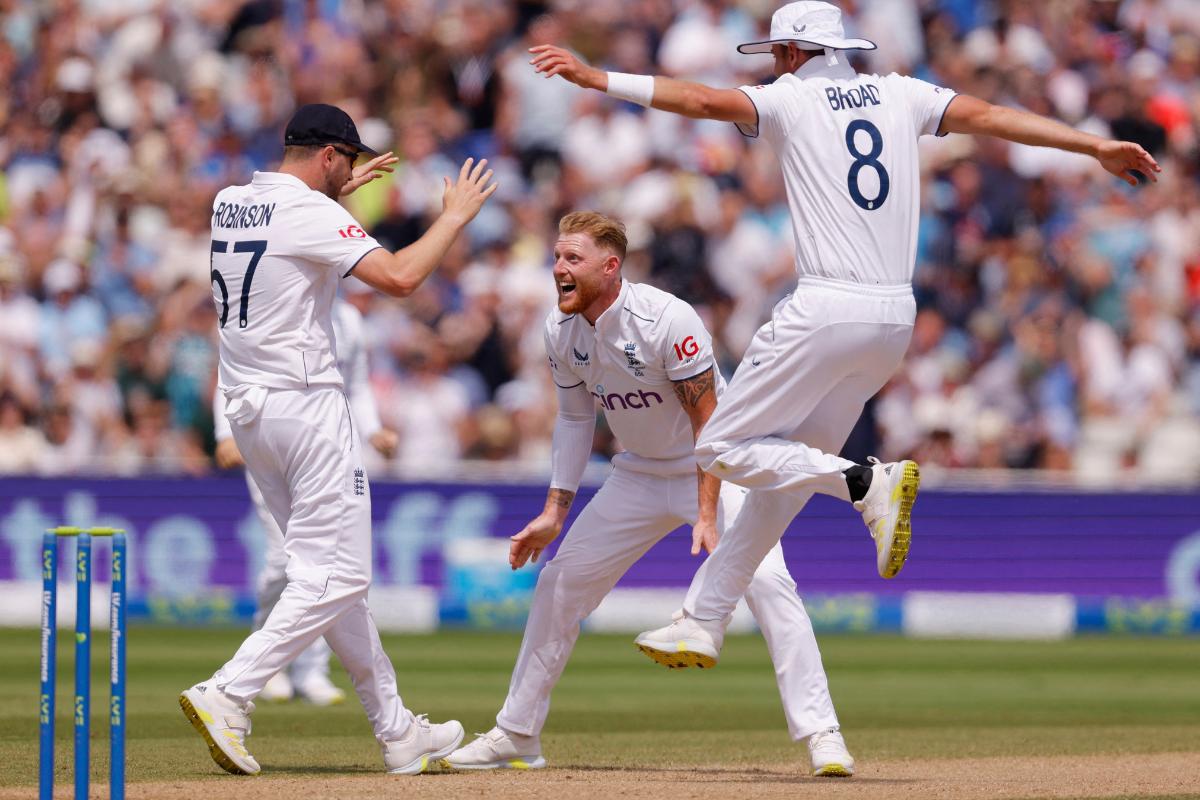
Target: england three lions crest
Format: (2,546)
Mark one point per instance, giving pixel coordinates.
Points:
(635,363)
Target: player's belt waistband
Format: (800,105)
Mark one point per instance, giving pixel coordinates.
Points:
(661,467)
(871,289)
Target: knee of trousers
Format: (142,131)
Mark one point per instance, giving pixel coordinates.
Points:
(350,585)
(768,582)
(276,562)
(321,583)
(572,580)
(271,575)
(708,451)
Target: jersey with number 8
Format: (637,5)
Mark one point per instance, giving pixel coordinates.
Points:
(278,251)
(847,144)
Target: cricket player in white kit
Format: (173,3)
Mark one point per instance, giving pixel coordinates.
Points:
(847,144)
(646,358)
(308,675)
(280,244)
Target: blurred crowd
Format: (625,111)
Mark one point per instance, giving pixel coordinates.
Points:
(1059,322)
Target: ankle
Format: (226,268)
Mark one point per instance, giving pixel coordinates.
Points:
(858,481)
(518,737)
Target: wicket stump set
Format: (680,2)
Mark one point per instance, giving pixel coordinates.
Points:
(83,653)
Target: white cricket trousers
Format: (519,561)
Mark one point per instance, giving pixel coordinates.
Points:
(269,583)
(790,406)
(631,512)
(301,449)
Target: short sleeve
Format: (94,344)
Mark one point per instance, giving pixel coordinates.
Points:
(561,374)
(769,103)
(329,235)
(926,102)
(688,350)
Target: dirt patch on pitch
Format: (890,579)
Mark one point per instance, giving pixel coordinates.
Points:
(1093,776)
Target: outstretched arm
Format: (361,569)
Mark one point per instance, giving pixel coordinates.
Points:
(967,114)
(680,97)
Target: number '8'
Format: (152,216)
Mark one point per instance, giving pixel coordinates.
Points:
(869,159)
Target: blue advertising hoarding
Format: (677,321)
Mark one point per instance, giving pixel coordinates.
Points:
(195,546)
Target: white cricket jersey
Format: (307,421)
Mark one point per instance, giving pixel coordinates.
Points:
(279,249)
(847,144)
(350,343)
(642,343)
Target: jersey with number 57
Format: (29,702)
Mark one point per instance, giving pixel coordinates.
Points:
(279,249)
(847,144)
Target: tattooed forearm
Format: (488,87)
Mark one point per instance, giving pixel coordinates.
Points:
(691,391)
(560,497)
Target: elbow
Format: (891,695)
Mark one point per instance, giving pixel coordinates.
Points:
(401,283)
(401,288)
(394,289)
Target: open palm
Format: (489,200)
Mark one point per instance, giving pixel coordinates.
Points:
(365,173)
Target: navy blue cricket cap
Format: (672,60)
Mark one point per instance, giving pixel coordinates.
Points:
(319,124)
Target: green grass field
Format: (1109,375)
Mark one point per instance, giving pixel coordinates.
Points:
(897,699)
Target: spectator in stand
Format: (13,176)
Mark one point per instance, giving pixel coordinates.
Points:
(1059,311)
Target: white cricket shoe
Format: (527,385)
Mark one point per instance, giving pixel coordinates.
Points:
(422,744)
(887,510)
(686,642)
(498,749)
(830,758)
(320,691)
(223,723)
(278,690)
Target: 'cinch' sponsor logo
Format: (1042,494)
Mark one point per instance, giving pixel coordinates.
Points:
(627,401)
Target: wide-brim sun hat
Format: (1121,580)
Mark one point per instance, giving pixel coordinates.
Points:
(811,24)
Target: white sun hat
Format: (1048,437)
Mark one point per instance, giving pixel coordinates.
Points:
(812,25)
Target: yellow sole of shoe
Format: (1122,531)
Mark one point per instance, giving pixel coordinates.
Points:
(274,701)
(515,763)
(910,482)
(218,755)
(679,660)
(832,771)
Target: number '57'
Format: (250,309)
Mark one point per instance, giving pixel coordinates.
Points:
(256,248)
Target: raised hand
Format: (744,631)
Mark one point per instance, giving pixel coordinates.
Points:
(365,173)
(551,60)
(1121,157)
(464,197)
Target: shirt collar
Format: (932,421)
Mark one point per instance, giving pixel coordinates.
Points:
(614,311)
(267,178)
(817,67)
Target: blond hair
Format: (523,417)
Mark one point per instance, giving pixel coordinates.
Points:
(605,232)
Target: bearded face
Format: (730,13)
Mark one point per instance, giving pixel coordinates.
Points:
(338,168)
(582,273)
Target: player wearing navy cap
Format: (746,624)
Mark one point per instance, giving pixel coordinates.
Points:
(280,244)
